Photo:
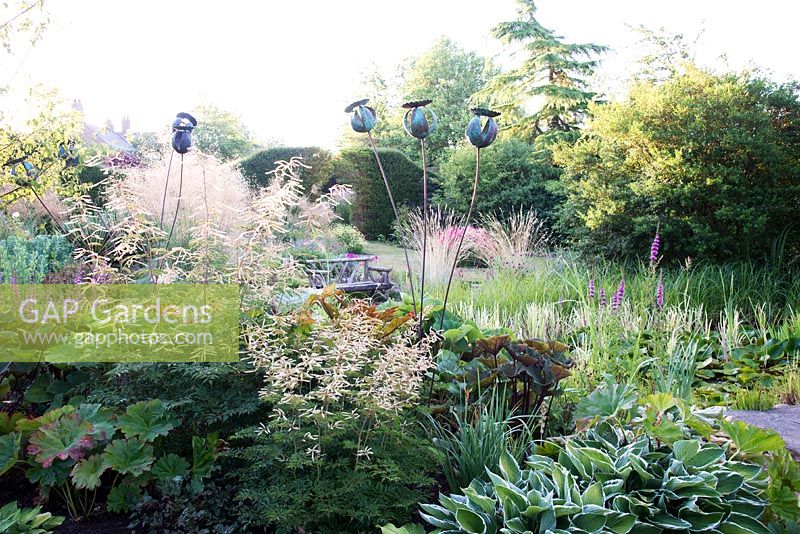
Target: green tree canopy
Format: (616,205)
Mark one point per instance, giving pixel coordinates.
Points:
(221,133)
(511,178)
(713,159)
(445,73)
(552,76)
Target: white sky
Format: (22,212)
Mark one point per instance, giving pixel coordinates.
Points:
(289,67)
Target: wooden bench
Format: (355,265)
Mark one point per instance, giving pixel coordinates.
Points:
(352,274)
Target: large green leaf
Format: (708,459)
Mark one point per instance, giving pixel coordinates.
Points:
(147,420)
(751,440)
(123,498)
(170,466)
(470,521)
(87,472)
(101,420)
(408,528)
(607,401)
(129,456)
(509,468)
(741,524)
(9,451)
(66,437)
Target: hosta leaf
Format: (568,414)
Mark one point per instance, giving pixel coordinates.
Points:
(87,472)
(751,440)
(408,528)
(644,528)
(686,449)
(701,521)
(170,466)
(66,437)
(708,455)
(129,456)
(9,451)
(147,420)
(438,522)
(592,521)
(728,481)
(593,495)
(742,524)
(470,521)
(620,523)
(123,498)
(669,522)
(509,468)
(484,503)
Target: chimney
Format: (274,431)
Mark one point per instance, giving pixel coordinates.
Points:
(126,125)
(77,105)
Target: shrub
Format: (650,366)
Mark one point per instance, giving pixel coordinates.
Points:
(511,180)
(28,261)
(372,212)
(349,238)
(256,167)
(712,159)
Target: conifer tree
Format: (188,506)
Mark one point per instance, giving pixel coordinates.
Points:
(552,77)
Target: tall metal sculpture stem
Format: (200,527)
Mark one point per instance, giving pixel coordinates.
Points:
(166,187)
(424,235)
(396,218)
(177,206)
(463,233)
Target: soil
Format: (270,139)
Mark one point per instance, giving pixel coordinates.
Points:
(103,524)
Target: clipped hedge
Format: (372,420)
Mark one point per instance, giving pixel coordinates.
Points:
(255,168)
(372,212)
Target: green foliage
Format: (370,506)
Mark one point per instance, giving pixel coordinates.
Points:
(69,449)
(483,431)
(712,160)
(283,486)
(221,133)
(372,212)
(610,481)
(511,179)
(9,451)
(147,420)
(186,509)
(349,238)
(16,520)
(754,399)
(552,70)
(784,485)
(257,167)
(750,440)
(28,261)
(444,73)
(610,401)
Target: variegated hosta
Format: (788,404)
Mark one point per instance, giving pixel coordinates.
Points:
(611,482)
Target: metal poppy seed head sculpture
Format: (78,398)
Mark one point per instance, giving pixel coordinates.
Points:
(482,134)
(415,120)
(363,118)
(182,128)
